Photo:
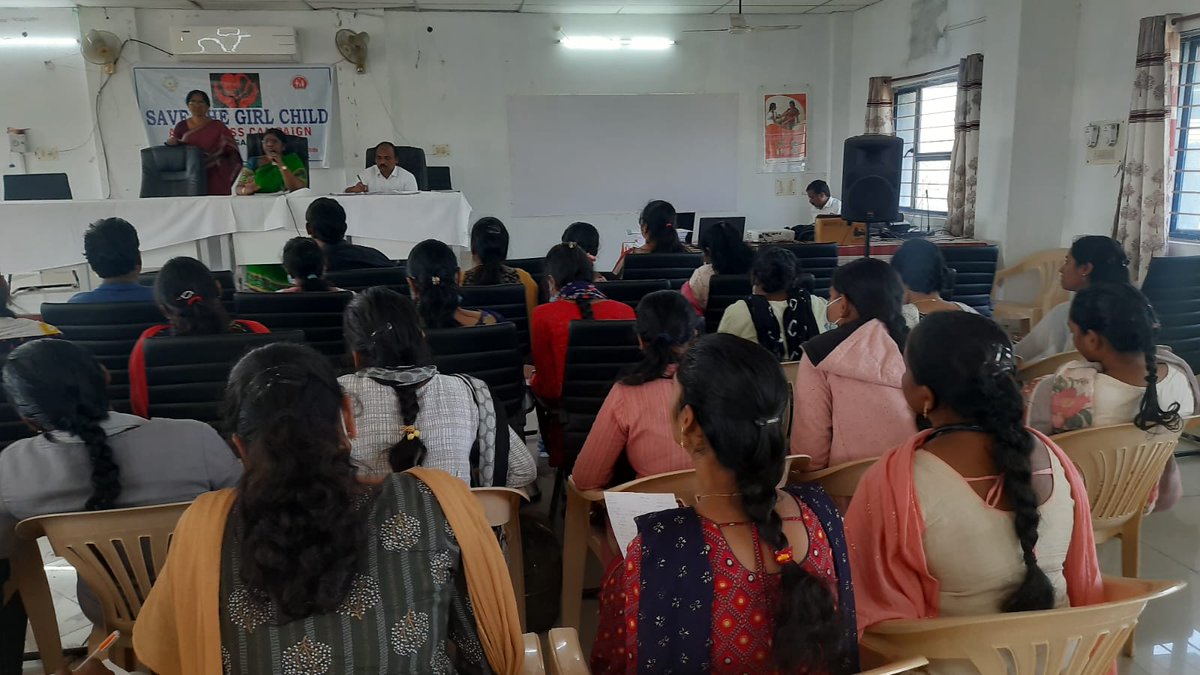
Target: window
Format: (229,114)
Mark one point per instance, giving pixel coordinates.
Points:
(1185,203)
(925,120)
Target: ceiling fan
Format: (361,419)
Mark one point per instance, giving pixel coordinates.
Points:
(738,25)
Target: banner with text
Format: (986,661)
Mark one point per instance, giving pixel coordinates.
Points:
(295,99)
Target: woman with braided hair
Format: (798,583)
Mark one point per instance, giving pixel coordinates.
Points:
(977,514)
(752,578)
(1124,377)
(88,458)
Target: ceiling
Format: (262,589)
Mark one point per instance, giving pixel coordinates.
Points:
(509,6)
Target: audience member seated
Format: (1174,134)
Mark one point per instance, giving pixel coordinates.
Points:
(407,414)
(1124,378)
(922,268)
(433,282)
(1092,259)
(222,159)
(325,220)
(273,171)
(190,299)
(16,331)
(385,176)
(724,253)
(977,514)
(658,229)
(588,237)
(489,250)
(88,458)
(753,578)
(113,252)
(635,420)
(305,266)
(304,567)
(851,375)
(781,315)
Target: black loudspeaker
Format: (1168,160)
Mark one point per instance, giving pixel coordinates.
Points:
(871,179)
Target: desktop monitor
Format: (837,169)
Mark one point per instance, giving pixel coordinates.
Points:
(685,221)
(738,222)
(24,186)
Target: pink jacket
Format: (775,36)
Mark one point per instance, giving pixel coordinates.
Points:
(885,532)
(850,406)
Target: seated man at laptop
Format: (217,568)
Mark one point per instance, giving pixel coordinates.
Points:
(325,220)
(112,250)
(825,203)
(385,176)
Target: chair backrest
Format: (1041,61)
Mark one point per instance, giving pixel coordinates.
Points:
(974,274)
(631,292)
(1120,465)
(1045,264)
(411,160)
(676,267)
(24,186)
(819,260)
(1047,366)
(109,331)
(395,278)
(295,145)
(898,667)
(439,178)
(508,300)
(1077,640)
(223,277)
(535,266)
(723,291)
(566,654)
(173,171)
(597,352)
(319,315)
(117,553)
(840,480)
(488,353)
(502,509)
(186,376)
(1170,287)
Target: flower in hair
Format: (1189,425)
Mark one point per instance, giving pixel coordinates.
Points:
(784,556)
(411,432)
(436,281)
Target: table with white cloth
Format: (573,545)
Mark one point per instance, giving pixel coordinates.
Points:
(43,235)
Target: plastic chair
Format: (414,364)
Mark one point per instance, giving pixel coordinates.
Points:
(502,508)
(1047,366)
(840,481)
(534,665)
(1050,293)
(1076,640)
(898,667)
(117,553)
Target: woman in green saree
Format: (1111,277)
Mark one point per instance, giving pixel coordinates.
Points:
(273,171)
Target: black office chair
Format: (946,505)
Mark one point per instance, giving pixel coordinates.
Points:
(819,260)
(26,186)
(411,160)
(974,275)
(439,178)
(173,171)
(507,300)
(294,145)
(319,315)
(489,353)
(109,331)
(631,292)
(723,291)
(11,427)
(395,278)
(676,268)
(597,352)
(185,376)
(1170,286)
(535,266)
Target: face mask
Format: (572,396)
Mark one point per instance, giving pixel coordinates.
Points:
(831,325)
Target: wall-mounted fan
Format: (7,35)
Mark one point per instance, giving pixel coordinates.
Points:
(101,48)
(739,26)
(353,47)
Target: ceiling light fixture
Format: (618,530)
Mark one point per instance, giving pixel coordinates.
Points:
(21,41)
(600,43)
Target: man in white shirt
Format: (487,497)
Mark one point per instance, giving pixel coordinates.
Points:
(822,201)
(385,176)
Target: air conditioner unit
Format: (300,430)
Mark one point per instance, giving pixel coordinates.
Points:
(234,43)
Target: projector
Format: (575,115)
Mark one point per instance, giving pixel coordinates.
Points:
(770,236)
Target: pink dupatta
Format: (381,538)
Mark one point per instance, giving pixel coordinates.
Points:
(885,531)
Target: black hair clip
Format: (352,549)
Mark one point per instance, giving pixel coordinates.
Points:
(762,422)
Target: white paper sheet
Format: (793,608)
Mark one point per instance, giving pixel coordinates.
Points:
(624,507)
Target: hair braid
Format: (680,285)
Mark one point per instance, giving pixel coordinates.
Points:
(106,475)
(406,453)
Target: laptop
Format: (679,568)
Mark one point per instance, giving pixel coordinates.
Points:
(25,186)
(738,222)
(685,221)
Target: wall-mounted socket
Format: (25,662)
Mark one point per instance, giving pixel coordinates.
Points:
(785,187)
(46,154)
(441,151)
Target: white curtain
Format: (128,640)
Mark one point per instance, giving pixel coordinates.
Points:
(881,109)
(964,160)
(1145,193)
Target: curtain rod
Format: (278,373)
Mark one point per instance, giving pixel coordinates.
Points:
(939,71)
(1189,17)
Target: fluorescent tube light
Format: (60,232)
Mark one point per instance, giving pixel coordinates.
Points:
(601,43)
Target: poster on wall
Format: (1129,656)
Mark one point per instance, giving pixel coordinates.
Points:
(249,100)
(784,132)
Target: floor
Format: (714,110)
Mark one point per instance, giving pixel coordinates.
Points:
(1168,637)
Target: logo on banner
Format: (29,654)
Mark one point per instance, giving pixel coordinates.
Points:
(299,82)
(236,90)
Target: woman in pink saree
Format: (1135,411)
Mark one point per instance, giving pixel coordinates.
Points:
(222,159)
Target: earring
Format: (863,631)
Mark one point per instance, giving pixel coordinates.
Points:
(681,445)
(926,412)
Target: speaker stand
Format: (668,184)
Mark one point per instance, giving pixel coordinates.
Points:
(867,241)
